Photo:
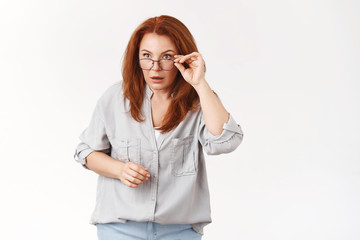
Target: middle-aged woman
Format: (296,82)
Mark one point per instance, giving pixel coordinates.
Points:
(147,135)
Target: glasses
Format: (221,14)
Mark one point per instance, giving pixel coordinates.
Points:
(164,64)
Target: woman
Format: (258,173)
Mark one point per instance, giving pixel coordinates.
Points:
(147,135)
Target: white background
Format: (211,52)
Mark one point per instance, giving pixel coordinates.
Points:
(288,71)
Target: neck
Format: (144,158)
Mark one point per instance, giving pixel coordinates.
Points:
(161,95)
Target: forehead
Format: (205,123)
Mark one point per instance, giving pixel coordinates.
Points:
(156,43)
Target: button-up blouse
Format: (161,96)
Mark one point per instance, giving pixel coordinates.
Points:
(177,190)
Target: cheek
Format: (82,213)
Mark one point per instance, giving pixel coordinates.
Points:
(174,73)
(145,74)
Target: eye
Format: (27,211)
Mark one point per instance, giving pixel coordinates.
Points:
(146,55)
(167,56)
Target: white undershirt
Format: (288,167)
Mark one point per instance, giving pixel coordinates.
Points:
(157,133)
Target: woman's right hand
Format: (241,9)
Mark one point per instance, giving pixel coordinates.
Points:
(132,174)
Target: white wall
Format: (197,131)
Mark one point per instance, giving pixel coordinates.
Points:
(288,71)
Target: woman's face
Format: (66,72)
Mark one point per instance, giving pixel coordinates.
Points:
(156,47)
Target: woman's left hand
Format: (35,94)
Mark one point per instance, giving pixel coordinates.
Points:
(196,71)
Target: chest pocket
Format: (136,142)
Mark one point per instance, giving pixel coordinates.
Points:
(128,150)
(183,160)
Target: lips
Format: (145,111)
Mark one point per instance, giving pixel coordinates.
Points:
(156,79)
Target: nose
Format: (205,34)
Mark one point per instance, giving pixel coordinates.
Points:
(156,66)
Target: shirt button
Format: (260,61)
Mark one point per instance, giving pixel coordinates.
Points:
(153,198)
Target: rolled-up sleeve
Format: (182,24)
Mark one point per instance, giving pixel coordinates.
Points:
(226,142)
(93,138)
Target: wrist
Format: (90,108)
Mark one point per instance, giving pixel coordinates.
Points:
(119,169)
(201,86)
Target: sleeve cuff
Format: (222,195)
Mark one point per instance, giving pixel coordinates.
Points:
(81,153)
(229,129)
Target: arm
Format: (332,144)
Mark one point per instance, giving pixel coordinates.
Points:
(103,164)
(94,149)
(131,174)
(219,133)
(215,115)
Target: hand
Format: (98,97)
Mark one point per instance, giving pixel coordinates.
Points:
(196,71)
(132,174)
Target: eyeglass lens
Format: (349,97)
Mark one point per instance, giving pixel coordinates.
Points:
(165,64)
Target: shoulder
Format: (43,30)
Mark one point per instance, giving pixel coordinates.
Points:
(113,98)
(113,92)
(114,89)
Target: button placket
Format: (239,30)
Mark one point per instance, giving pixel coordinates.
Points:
(155,162)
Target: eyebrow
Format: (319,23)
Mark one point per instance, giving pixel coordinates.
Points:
(169,50)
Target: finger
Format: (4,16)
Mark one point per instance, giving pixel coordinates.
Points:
(196,56)
(181,57)
(140,169)
(129,184)
(132,179)
(137,175)
(184,58)
(192,56)
(177,58)
(180,67)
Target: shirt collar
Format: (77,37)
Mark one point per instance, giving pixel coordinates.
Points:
(148,91)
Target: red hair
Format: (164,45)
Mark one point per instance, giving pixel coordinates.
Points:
(184,97)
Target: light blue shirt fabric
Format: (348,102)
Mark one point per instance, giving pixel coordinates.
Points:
(177,191)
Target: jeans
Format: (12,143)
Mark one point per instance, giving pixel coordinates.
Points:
(132,230)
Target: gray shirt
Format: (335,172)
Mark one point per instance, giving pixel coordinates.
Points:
(177,191)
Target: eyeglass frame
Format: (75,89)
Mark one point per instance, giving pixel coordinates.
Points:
(158,61)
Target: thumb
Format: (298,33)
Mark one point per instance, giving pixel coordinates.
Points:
(180,67)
